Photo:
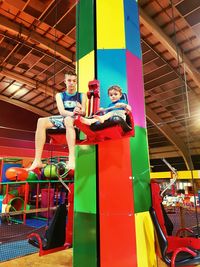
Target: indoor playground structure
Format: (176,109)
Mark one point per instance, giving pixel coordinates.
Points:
(113,199)
(107,209)
(16,199)
(32,202)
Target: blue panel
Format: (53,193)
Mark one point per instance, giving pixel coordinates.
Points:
(132,29)
(131,13)
(111,70)
(1,199)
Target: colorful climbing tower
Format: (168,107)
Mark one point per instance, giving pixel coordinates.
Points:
(112,226)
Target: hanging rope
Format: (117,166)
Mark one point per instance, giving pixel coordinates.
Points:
(174,171)
(77,46)
(53,93)
(184,91)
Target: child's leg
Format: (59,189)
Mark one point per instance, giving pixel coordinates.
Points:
(71,141)
(40,138)
(88,121)
(96,118)
(104,117)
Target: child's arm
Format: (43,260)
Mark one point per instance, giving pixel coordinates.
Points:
(123,105)
(80,108)
(100,110)
(128,108)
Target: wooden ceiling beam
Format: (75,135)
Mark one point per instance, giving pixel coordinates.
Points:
(28,81)
(25,106)
(169,45)
(44,42)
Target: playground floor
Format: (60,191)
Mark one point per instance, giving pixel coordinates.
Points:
(59,259)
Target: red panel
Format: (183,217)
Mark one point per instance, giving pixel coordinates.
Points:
(117,241)
(115,172)
(70,217)
(116,202)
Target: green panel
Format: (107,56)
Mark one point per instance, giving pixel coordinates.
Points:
(85,179)
(84,240)
(84,28)
(140,170)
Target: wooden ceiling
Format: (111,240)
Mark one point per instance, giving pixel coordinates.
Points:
(37,46)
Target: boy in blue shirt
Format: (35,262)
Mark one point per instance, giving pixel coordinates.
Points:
(69,104)
(118,107)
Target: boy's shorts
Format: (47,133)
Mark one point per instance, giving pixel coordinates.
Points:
(120,113)
(57,121)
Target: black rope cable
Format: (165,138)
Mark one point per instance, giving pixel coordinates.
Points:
(162,123)
(31,29)
(189,39)
(182,79)
(54,82)
(77,46)
(53,104)
(186,121)
(22,41)
(39,50)
(60,177)
(165,61)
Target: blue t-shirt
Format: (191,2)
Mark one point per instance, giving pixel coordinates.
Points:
(112,104)
(70,100)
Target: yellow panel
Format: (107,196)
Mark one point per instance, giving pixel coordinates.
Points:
(180,175)
(85,71)
(110,24)
(196,174)
(185,174)
(146,255)
(162,175)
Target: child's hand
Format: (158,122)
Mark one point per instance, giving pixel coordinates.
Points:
(77,110)
(78,105)
(125,106)
(120,105)
(128,108)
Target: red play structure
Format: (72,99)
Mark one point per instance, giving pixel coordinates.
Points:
(58,236)
(113,128)
(173,250)
(16,200)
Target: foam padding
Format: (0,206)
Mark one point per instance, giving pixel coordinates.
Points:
(85,243)
(85,179)
(145,240)
(132,31)
(116,205)
(140,170)
(85,24)
(110,32)
(85,218)
(85,68)
(136,89)
(108,75)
